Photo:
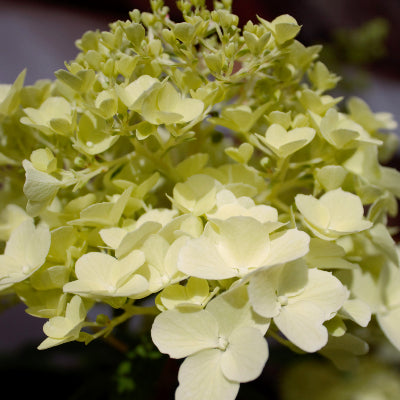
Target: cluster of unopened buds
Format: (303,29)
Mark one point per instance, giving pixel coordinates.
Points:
(198,172)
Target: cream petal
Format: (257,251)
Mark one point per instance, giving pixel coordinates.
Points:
(200,258)
(233,310)
(313,211)
(180,334)
(302,324)
(262,292)
(287,246)
(200,378)
(324,291)
(245,356)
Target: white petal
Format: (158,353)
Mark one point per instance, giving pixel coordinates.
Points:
(245,356)
(290,245)
(324,291)
(301,323)
(243,242)
(29,245)
(233,310)
(356,310)
(112,237)
(155,249)
(200,378)
(262,292)
(293,278)
(95,267)
(200,258)
(136,286)
(180,334)
(313,211)
(125,267)
(190,109)
(346,211)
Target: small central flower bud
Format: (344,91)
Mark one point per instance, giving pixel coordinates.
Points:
(242,271)
(111,288)
(25,269)
(222,343)
(165,280)
(283,300)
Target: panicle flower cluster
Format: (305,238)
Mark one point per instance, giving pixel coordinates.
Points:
(203,166)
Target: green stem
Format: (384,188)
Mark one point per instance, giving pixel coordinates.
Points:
(130,311)
(155,158)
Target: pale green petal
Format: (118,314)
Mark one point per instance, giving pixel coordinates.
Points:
(200,378)
(136,238)
(180,334)
(390,324)
(51,342)
(155,249)
(25,252)
(95,267)
(293,278)
(365,286)
(324,291)
(171,258)
(100,274)
(233,310)
(331,176)
(313,211)
(53,277)
(135,287)
(164,105)
(9,268)
(285,143)
(133,94)
(383,239)
(169,100)
(194,294)
(172,296)
(93,135)
(389,283)
(112,237)
(356,310)
(64,329)
(245,356)
(29,245)
(105,213)
(190,109)
(301,323)
(243,243)
(40,188)
(75,310)
(344,350)
(327,255)
(230,206)
(346,211)
(11,216)
(287,246)
(197,194)
(127,265)
(197,289)
(167,97)
(200,258)
(263,292)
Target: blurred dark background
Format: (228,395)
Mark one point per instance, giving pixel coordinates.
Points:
(362,43)
(51,27)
